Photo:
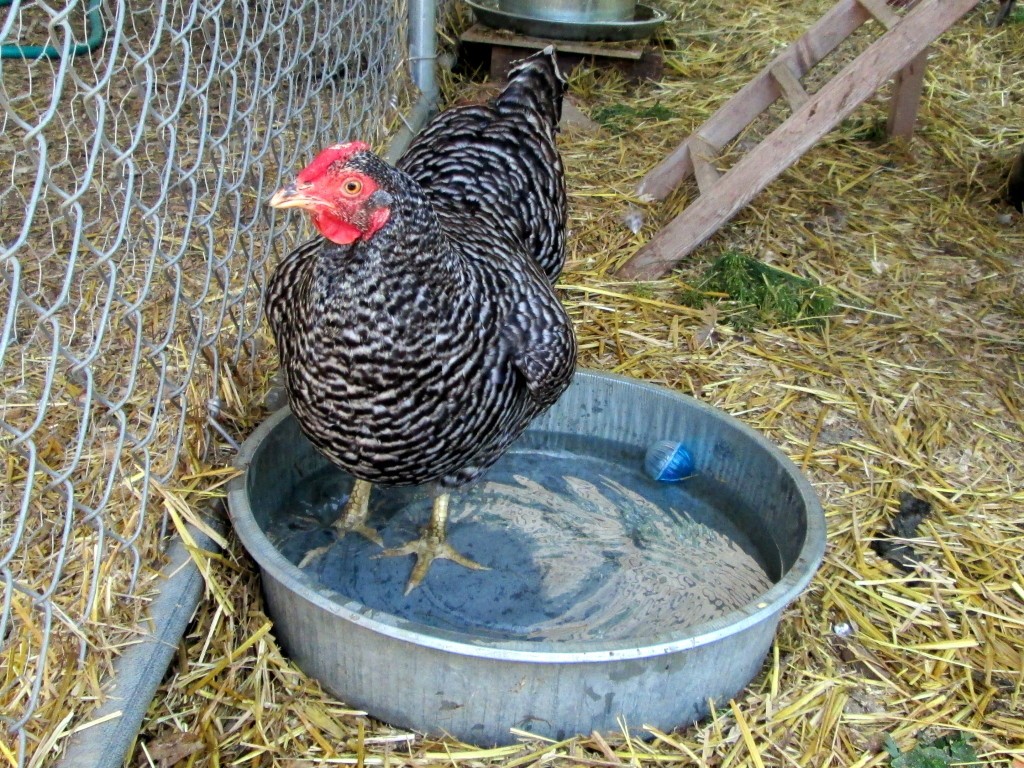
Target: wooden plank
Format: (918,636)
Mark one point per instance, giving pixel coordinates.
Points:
(647,67)
(791,87)
(757,95)
(478,33)
(636,60)
(837,99)
(885,15)
(906,97)
(703,156)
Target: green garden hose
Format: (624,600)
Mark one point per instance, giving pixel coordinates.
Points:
(94,22)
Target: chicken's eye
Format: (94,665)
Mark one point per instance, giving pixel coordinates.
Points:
(352,187)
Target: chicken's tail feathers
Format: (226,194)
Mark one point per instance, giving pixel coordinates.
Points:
(536,83)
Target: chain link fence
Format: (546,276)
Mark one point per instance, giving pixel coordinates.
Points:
(139,144)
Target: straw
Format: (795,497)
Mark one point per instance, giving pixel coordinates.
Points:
(914,384)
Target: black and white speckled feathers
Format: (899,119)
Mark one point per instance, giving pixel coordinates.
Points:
(420,352)
(493,170)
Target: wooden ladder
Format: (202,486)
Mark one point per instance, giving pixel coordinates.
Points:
(901,52)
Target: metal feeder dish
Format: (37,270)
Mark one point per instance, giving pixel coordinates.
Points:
(610,594)
(580,11)
(560,22)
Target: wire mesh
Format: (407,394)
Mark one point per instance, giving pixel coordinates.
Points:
(139,141)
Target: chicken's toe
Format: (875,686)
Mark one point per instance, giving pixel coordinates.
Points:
(427,549)
(352,519)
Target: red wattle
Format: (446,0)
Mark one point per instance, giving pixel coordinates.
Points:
(377,220)
(336,230)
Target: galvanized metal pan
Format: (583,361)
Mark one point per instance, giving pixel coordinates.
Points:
(476,688)
(642,24)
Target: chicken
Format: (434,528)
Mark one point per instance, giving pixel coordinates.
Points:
(420,335)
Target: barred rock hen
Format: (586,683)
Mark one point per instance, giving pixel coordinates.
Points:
(421,334)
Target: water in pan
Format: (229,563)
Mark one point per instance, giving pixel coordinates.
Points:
(580,543)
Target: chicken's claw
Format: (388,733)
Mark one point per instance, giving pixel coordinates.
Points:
(352,519)
(432,545)
(428,549)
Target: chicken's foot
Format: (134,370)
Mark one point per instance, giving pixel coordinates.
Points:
(353,518)
(431,546)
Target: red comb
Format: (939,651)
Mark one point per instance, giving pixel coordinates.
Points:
(337,153)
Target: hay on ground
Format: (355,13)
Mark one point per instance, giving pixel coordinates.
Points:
(916,384)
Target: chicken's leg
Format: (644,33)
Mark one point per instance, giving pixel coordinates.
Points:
(353,518)
(431,546)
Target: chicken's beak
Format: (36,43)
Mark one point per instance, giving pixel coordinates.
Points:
(291,196)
